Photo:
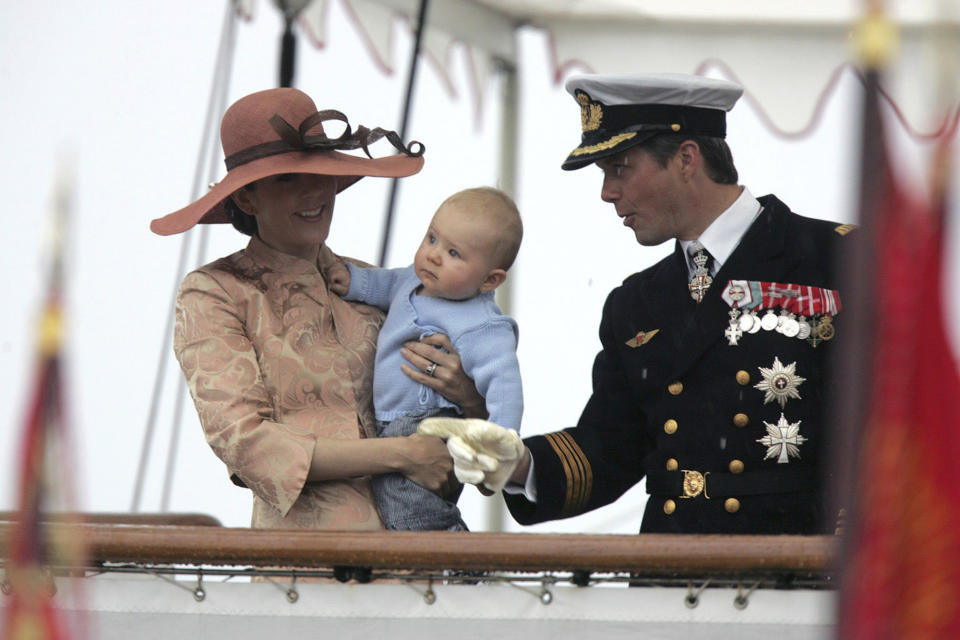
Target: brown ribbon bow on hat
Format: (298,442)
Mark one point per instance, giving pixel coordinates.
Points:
(296,139)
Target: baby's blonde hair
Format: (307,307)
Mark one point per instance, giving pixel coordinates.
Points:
(500,209)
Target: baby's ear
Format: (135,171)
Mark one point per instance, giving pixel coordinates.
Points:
(493,280)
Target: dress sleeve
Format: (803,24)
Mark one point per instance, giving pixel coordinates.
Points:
(223,374)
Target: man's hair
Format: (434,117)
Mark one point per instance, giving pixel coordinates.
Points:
(500,209)
(718,160)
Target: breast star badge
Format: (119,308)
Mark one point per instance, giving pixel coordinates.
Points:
(783,440)
(779,382)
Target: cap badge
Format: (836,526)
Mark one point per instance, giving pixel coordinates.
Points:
(591,113)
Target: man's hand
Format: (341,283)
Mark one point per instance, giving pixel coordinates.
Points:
(483,452)
(338,278)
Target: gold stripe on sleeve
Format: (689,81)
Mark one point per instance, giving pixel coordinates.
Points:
(577,469)
(586,471)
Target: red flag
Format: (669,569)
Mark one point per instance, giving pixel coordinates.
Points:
(30,610)
(901,571)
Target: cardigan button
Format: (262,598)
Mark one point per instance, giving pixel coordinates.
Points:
(672,464)
(675,388)
(670,426)
(669,507)
(741,420)
(732,505)
(743,378)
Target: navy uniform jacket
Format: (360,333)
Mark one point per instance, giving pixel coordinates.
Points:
(686,399)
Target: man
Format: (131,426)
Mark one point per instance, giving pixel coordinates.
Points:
(711,380)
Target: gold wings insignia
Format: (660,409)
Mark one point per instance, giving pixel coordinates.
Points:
(642,338)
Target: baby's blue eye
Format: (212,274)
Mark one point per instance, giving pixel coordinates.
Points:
(432,239)
(454,253)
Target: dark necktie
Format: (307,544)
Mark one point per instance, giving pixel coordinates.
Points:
(700,280)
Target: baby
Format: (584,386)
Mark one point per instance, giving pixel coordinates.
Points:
(470,244)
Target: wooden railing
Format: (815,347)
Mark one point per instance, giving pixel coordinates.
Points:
(148,543)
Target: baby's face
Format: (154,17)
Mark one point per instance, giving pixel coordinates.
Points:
(456,255)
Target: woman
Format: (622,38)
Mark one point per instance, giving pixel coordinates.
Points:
(279,368)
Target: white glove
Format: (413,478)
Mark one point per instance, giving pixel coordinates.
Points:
(482,452)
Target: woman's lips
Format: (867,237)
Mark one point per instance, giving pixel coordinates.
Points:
(312,214)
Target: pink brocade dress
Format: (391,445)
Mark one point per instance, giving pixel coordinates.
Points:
(274,361)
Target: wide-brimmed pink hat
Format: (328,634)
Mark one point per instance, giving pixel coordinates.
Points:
(280,131)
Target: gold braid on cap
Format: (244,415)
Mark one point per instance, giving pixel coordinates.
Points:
(296,139)
(603,146)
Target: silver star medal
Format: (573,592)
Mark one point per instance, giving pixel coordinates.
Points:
(779,382)
(783,440)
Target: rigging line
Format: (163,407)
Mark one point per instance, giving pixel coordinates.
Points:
(946,128)
(408,99)
(208,133)
(225,71)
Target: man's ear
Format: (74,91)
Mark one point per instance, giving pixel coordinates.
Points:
(688,155)
(493,280)
(243,198)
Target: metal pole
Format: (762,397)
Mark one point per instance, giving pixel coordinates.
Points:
(408,99)
(288,52)
(507,181)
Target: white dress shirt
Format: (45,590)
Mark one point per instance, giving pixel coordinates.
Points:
(724,234)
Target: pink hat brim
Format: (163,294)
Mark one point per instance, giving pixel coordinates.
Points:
(209,208)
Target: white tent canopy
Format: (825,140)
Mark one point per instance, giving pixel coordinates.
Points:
(787,54)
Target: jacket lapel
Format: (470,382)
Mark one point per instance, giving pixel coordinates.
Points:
(667,297)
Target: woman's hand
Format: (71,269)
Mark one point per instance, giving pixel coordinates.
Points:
(440,369)
(428,463)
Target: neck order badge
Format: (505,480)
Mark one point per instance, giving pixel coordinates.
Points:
(701,280)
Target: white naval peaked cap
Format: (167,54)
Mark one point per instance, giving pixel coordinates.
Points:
(621,111)
(657,88)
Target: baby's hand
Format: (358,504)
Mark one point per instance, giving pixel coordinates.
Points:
(338,278)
